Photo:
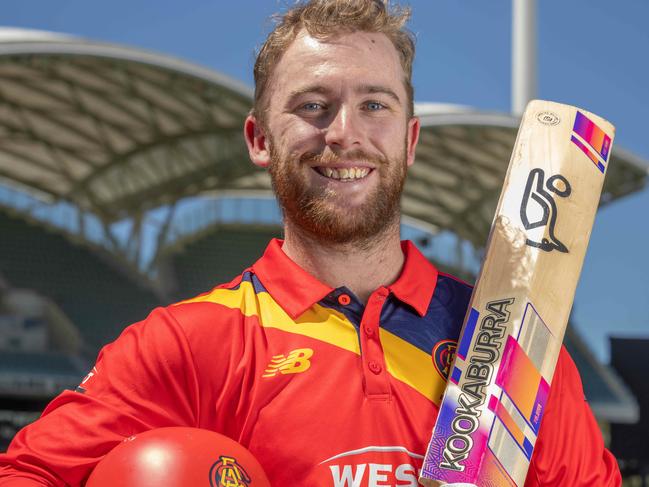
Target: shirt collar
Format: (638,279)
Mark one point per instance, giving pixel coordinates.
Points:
(295,290)
(416,283)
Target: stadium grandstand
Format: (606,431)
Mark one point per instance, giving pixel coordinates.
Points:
(125,184)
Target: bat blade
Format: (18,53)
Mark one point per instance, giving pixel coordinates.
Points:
(492,408)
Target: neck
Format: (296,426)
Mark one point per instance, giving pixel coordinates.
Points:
(361,267)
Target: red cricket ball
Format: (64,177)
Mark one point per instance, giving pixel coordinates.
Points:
(178,456)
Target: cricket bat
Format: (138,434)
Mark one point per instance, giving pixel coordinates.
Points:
(499,383)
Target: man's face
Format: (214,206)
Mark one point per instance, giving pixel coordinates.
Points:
(338,135)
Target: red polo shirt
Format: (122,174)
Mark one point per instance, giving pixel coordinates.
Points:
(324,391)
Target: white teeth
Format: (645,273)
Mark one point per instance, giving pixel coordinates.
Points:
(346,174)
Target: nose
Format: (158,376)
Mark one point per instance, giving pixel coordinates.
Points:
(344,130)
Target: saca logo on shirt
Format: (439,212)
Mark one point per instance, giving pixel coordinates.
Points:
(375,466)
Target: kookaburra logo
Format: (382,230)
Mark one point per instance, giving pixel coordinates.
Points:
(538,196)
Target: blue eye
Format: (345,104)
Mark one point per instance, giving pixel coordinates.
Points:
(311,107)
(374,106)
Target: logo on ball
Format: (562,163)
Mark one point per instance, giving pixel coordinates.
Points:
(228,473)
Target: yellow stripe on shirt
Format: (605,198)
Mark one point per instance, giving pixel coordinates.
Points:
(404,361)
(412,365)
(324,324)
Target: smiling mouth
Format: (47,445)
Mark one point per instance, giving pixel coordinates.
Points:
(344,174)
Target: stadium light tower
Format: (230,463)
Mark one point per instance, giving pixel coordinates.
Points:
(523,54)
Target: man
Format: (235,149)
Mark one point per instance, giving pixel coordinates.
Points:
(327,357)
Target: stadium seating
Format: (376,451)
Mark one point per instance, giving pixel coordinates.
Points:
(98,297)
(216,256)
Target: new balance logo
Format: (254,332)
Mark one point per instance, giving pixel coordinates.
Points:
(295,362)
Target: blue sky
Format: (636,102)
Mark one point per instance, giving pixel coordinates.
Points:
(591,53)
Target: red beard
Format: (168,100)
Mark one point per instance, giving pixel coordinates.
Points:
(319,213)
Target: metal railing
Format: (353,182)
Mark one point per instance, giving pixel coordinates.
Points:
(168,225)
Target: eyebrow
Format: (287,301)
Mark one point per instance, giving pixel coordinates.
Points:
(307,89)
(364,89)
(379,89)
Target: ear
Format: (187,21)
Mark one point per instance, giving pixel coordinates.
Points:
(412,138)
(256,141)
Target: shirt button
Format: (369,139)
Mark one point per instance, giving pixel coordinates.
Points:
(344,299)
(369,331)
(375,367)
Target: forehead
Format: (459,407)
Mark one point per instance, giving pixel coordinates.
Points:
(357,58)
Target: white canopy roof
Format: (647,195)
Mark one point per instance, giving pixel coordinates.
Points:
(117,131)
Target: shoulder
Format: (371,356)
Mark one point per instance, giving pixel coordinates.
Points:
(567,380)
(452,292)
(225,295)
(454,281)
(226,308)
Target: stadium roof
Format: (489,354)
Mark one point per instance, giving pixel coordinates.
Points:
(114,130)
(117,131)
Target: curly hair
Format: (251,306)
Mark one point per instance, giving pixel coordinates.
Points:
(324,19)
